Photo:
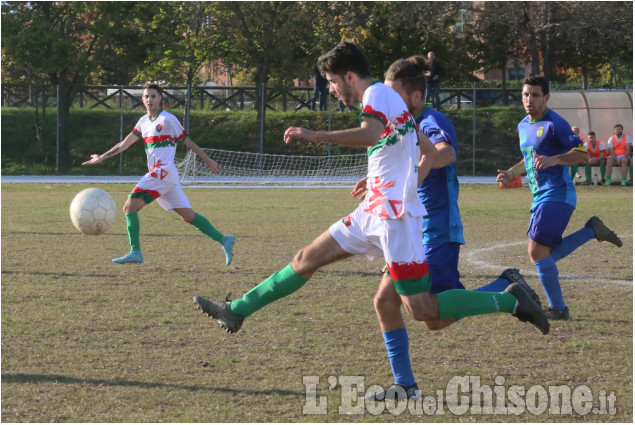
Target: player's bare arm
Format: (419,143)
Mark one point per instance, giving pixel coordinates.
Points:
(366,135)
(213,165)
(446,156)
(505,176)
(117,149)
(573,157)
(429,155)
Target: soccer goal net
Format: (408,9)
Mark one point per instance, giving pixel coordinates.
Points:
(254,168)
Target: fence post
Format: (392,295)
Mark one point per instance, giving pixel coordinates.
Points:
(188,99)
(121,127)
(57,132)
(473,128)
(263,108)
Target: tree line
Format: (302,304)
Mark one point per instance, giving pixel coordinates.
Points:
(68,44)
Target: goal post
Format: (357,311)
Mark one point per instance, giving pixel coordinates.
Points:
(255,168)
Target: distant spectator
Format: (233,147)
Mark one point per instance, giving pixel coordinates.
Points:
(434,80)
(597,155)
(620,147)
(574,168)
(320,89)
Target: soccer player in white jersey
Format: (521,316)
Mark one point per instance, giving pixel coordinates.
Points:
(161,131)
(388,221)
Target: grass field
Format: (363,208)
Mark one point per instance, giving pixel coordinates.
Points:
(86,340)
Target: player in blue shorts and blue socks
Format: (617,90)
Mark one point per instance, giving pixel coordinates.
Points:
(549,146)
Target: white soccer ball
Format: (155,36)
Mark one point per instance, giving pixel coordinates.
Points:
(93,211)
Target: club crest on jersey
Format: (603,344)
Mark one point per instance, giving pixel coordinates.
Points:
(347,220)
(539,132)
(160,127)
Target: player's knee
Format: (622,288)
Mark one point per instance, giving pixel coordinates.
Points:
(434,325)
(386,305)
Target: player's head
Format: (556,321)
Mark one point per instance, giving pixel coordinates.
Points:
(343,66)
(619,129)
(535,95)
(576,130)
(152,97)
(591,136)
(406,77)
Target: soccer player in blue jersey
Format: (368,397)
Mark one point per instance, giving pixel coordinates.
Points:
(549,147)
(442,226)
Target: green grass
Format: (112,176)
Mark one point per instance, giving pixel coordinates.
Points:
(86,340)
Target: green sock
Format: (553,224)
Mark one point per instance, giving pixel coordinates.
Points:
(587,172)
(574,169)
(204,226)
(462,303)
(276,286)
(602,170)
(630,171)
(132,225)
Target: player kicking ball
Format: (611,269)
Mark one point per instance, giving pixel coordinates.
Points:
(388,221)
(161,131)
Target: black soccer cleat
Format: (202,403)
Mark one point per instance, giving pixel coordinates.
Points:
(527,310)
(514,276)
(554,314)
(603,233)
(220,311)
(397,393)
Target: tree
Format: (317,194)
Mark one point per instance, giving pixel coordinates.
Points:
(66,41)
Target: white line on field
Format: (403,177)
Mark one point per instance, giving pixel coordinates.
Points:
(474,258)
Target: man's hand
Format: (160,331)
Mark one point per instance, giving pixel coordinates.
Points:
(213,165)
(299,132)
(94,159)
(360,189)
(504,176)
(542,161)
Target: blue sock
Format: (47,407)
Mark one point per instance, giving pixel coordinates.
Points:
(499,285)
(572,242)
(548,275)
(397,346)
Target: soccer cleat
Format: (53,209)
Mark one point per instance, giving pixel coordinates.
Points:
(514,276)
(527,310)
(220,311)
(623,182)
(607,182)
(554,314)
(131,257)
(603,233)
(228,247)
(396,392)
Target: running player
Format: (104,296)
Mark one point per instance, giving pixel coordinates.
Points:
(549,145)
(442,226)
(161,131)
(388,221)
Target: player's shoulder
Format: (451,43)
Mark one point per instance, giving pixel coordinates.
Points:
(168,116)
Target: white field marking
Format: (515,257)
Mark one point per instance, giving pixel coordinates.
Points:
(474,256)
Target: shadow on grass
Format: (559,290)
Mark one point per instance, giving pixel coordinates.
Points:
(23,378)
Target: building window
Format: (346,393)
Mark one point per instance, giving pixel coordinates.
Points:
(516,73)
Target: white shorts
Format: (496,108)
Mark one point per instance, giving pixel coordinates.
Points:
(168,195)
(397,240)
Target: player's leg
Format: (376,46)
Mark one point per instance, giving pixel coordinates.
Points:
(408,269)
(624,162)
(548,222)
(609,170)
(176,200)
(136,200)
(388,309)
(603,168)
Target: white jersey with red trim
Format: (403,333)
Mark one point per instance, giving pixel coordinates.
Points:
(392,162)
(160,137)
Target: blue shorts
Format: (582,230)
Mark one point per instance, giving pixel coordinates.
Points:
(548,222)
(443,262)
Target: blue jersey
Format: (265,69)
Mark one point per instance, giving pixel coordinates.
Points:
(439,192)
(549,135)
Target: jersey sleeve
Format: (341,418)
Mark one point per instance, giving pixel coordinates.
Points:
(567,137)
(137,129)
(376,107)
(177,129)
(434,132)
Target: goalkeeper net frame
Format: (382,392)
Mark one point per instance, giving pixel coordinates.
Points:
(267,169)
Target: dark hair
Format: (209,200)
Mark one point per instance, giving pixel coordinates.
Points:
(154,86)
(537,80)
(591,133)
(618,125)
(343,58)
(409,72)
